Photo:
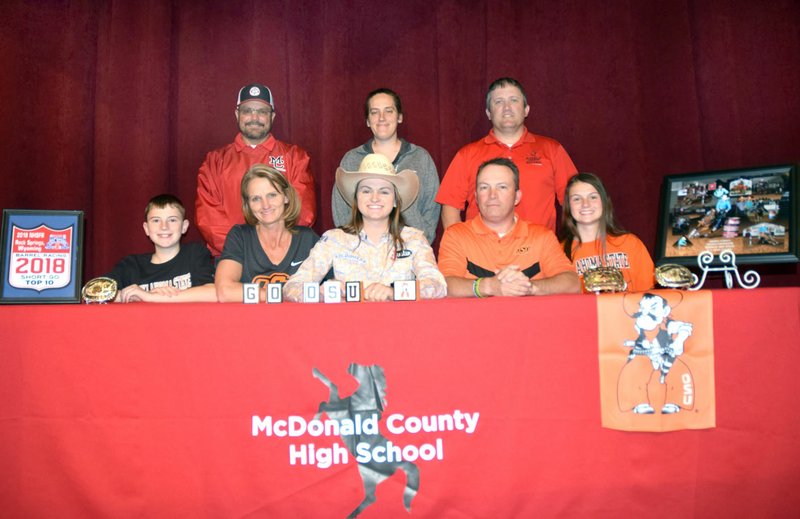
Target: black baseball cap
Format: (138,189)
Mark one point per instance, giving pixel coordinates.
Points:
(255,91)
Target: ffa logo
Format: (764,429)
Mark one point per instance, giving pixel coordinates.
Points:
(278,163)
(533,158)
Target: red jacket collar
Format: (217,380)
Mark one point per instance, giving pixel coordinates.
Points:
(239,143)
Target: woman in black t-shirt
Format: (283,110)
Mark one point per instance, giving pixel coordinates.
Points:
(270,246)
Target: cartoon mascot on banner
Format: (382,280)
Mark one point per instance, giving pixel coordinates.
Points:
(654,376)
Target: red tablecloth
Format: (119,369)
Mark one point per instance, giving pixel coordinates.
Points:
(148,411)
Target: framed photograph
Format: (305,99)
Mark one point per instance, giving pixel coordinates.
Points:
(42,256)
(752,212)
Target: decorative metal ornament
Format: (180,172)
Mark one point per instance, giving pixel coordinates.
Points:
(671,275)
(604,279)
(99,290)
(750,279)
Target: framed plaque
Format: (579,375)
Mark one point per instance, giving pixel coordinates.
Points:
(42,256)
(751,212)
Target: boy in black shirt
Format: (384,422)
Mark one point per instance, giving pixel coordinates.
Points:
(171,274)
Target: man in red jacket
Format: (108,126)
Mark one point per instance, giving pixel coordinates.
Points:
(219,195)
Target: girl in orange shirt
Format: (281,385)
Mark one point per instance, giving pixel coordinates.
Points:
(592,238)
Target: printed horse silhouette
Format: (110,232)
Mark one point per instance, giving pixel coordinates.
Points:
(369,399)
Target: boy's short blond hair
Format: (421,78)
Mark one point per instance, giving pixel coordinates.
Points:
(164,200)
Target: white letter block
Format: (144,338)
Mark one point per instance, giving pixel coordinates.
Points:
(250,293)
(352,291)
(274,293)
(405,290)
(311,292)
(332,291)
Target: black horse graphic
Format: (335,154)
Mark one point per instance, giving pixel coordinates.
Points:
(369,399)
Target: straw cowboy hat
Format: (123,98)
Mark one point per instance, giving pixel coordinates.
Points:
(378,166)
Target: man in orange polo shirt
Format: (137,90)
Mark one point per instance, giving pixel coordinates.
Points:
(219,191)
(499,254)
(543,163)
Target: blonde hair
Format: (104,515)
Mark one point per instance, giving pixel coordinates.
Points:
(291,212)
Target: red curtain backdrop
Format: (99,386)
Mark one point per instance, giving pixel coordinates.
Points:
(104,104)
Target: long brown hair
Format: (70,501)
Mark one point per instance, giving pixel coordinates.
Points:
(569,229)
(396,222)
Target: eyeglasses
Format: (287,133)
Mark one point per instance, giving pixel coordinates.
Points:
(263,112)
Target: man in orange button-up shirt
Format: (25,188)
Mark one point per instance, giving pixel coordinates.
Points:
(219,195)
(497,253)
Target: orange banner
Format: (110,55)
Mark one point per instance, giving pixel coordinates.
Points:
(656,360)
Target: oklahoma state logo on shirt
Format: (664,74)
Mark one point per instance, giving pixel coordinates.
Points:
(275,277)
(613,259)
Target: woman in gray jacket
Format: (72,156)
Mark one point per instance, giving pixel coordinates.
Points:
(384,113)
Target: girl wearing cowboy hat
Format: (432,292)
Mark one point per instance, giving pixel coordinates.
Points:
(375,247)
